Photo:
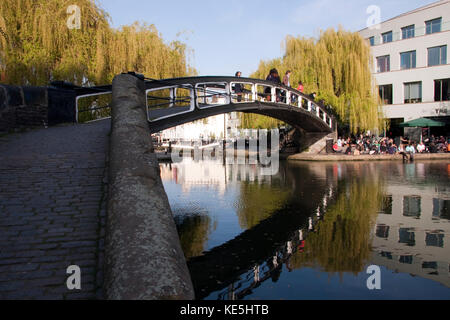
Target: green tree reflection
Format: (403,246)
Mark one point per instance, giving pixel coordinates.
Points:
(341,242)
(193,232)
(258,202)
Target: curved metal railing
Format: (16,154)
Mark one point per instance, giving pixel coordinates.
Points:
(172,97)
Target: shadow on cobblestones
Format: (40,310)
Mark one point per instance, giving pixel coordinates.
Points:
(52,211)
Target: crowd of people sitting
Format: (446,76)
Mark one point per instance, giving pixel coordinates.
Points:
(371,145)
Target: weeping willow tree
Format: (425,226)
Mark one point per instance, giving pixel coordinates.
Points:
(36,45)
(342,240)
(337,66)
(256,121)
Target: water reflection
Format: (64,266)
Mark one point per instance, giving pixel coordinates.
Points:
(245,235)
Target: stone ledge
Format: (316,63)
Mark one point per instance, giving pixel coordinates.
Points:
(143,257)
(342,157)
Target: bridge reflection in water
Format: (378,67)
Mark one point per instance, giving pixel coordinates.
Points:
(246,236)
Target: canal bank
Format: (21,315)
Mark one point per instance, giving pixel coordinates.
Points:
(380,157)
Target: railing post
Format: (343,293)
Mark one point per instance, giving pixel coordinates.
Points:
(173,97)
(254,92)
(300,100)
(273,97)
(288,97)
(228,91)
(194,98)
(309,105)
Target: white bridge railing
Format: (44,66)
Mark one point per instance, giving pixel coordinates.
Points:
(169,98)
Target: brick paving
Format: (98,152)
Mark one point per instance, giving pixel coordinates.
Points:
(52,211)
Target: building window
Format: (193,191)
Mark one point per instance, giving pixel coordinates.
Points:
(434,240)
(382,231)
(411,206)
(442,90)
(406,236)
(408,60)
(386,94)
(386,204)
(372,41)
(437,56)
(408,32)
(406,259)
(413,93)
(433,26)
(441,209)
(387,37)
(383,64)
(429,265)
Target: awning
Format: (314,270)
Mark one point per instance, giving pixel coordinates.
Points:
(422,122)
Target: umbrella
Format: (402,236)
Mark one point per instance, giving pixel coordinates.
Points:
(422,122)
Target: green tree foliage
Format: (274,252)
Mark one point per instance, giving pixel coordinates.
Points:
(256,121)
(36,46)
(337,67)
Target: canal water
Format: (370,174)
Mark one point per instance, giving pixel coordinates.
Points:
(312,230)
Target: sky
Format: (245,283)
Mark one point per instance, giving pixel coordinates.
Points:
(227,36)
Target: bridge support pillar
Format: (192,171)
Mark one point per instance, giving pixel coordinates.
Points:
(143,258)
(314,142)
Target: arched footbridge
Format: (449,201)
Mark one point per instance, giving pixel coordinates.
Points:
(172,102)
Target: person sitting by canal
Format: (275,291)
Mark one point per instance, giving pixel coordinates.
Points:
(238,89)
(408,153)
(421,147)
(349,149)
(337,148)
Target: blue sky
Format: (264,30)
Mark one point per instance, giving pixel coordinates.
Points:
(232,35)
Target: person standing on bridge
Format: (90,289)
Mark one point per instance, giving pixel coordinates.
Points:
(238,89)
(273,77)
(287,83)
(287,79)
(300,86)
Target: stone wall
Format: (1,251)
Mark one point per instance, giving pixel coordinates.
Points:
(313,142)
(30,107)
(143,255)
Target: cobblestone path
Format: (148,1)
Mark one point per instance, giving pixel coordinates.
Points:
(52,211)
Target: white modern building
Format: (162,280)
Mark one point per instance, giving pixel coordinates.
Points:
(411,63)
(211,128)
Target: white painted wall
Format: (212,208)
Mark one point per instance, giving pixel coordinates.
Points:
(422,72)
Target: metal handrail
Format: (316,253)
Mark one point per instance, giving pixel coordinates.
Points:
(201,88)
